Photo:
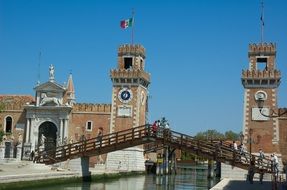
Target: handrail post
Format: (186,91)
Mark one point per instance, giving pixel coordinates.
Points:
(69,147)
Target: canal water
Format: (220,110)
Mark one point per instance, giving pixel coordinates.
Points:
(186,178)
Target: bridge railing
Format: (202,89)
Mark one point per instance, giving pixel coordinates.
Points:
(85,146)
(222,152)
(163,136)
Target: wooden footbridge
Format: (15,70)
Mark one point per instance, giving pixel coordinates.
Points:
(161,138)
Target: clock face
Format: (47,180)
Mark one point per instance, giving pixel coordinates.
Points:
(125,95)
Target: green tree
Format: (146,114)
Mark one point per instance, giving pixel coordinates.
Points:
(210,134)
(230,135)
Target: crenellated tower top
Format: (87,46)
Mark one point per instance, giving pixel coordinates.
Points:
(131,66)
(133,50)
(262,70)
(262,49)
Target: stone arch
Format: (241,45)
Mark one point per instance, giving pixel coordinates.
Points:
(49,130)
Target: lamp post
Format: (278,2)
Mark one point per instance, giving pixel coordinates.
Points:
(241,136)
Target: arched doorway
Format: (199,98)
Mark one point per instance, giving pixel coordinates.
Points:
(49,130)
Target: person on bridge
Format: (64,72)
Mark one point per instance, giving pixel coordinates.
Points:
(242,151)
(235,148)
(99,137)
(261,157)
(275,163)
(154,128)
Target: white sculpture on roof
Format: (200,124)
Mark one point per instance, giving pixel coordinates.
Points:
(51,73)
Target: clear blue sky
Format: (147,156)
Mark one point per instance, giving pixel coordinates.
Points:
(195,51)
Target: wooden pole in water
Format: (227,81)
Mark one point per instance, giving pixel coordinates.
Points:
(210,169)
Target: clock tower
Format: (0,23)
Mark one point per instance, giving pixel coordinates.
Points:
(130,89)
(261,80)
(129,103)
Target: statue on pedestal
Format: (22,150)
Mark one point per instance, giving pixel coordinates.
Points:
(42,141)
(51,73)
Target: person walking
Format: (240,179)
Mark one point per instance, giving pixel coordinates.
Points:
(242,151)
(154,128)
(276,164)
(32,154)
(261,157)
(235,148)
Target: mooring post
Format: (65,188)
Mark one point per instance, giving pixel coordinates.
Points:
(210,169)
(159,167)
(166,163)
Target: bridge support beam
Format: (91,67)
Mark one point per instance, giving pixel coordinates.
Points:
(210,171)
(218,169)
(86,174)
(80,165)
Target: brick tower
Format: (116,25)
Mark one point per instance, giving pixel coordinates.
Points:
(261,79)
(130,89)
(129,104)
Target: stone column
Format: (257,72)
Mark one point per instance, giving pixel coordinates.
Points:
(66,129)
(61,131)
(27,140)
(27,144)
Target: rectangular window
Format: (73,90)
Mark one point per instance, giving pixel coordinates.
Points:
(89,125)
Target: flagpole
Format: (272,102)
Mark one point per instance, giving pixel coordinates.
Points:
(133,23)
(262,20)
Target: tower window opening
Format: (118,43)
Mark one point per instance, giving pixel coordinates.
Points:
(261,64)
(264,82)
(128,61)
(8,125)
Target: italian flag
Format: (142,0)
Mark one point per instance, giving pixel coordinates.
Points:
(127,23)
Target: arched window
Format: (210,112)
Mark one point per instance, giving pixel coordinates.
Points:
(8,124)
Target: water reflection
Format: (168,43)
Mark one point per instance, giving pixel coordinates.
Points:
(185,179)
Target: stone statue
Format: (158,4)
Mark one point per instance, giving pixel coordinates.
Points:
(46,99)
(42,140)
(59,141)
(51,72)
(20,138)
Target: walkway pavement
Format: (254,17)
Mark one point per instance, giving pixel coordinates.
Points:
(27,170)
(231,184)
